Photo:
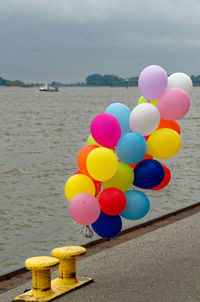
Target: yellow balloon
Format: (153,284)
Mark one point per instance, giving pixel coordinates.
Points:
(143,100)
(101,163)
(122,179)
(79,183)
(163,143)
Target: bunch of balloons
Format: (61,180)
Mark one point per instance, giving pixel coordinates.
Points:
(123,153)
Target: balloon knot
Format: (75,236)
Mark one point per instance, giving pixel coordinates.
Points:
(88,232)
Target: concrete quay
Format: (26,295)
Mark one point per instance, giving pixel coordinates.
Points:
(160,266)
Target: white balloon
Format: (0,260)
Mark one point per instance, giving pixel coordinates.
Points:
(180,80)
(144,119)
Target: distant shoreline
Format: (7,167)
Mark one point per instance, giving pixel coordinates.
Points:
(94,80)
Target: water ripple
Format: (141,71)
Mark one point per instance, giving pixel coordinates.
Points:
(41,135)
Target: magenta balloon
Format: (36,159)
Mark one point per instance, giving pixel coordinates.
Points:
(152,82)
(84,208)
(106,130)
(173,104)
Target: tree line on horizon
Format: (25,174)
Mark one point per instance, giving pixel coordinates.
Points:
(91,80)
(115,81)
(17,83)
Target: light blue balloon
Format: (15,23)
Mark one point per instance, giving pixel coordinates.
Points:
(122,113)
(131,148)
(137,205)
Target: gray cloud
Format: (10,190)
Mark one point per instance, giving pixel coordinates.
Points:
(67,40)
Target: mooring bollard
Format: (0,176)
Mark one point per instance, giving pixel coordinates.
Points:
(41,278)
(67,268)
(43,288)
(67,279)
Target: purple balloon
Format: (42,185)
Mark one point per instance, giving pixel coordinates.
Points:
(152,82)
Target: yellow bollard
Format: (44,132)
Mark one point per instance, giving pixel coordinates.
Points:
(43,288)
(67,279)
(41,279)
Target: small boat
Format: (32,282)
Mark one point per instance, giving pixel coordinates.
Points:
(46,87)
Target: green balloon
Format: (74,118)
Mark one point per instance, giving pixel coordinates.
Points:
(143,100)
(91,141)
(123,178)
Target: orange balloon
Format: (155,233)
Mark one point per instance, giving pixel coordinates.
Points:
(169,124)
(147,156)
(82,157)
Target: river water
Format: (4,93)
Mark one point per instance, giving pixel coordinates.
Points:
(40,136)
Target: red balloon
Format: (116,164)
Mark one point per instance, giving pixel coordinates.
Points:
(97,183)
(166,178)
(78,172)
(112,201)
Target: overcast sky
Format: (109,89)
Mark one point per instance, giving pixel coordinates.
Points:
(67,40)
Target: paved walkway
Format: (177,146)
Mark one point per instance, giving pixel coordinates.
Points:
(161,266)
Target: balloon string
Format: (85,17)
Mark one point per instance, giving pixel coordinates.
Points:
(88,232)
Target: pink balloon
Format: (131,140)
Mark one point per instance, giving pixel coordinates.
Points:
(173,104)
(84,208)
(152,82)
(106,130)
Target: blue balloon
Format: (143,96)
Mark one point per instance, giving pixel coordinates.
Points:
(131,148)
(149,173)
(122,113)
(137,205)
(107,226)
